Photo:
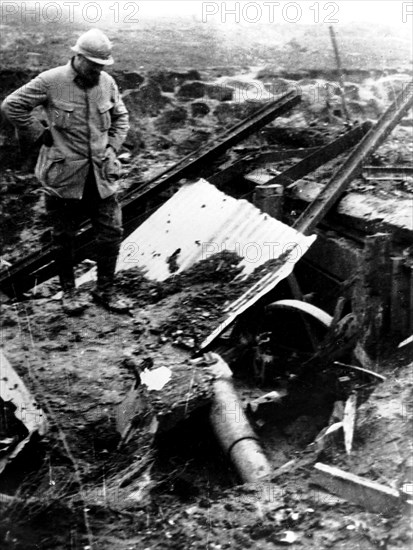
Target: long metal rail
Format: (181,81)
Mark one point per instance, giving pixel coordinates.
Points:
(353,165)
(322,155)
(237,169)
(316,211)
(191,164)
(40,266)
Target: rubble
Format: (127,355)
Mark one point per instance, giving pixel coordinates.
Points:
(297,403)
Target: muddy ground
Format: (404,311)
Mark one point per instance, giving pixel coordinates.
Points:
(187,494)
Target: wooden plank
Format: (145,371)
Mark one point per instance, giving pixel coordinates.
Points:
(360,370)
(269,199)
(400,298)
(357,214)
(322,155)
(371,295)
(339,71)
(352,166)
(349,421)
(336,256)
(192,163)
(270,157)
(326,437)
(387,172)
(411,299)
(148,410)
(371,495)
(406,342)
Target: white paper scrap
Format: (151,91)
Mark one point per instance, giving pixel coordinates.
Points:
(156,379)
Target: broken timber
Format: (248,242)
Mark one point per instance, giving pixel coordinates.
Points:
(321,156)
(191,165)
(236,169)
(372,293)
(339,71)
(349,421)
(369,494)
(387,172)
(40,265)
(352,166)
(321,205)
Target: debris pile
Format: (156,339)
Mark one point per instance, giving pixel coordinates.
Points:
(272,367)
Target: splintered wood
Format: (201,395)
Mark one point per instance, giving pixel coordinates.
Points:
(371,300)
(149,410)
(371,495)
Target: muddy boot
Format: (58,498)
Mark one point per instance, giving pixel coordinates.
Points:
(105,292)
(72,302)
(105,295)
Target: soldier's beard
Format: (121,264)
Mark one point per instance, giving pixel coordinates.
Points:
(90,80)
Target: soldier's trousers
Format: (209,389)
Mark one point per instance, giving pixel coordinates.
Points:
(106,217)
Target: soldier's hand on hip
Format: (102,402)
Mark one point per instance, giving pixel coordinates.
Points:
(111,164)
(47,138)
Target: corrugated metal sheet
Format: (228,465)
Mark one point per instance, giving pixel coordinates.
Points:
(198,221)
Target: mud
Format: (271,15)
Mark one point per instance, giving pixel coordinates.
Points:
(67,487)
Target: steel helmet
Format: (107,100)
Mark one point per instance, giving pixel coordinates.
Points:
(95,46)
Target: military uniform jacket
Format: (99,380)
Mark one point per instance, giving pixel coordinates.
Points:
(83,122)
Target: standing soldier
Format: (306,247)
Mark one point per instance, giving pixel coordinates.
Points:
(77,165)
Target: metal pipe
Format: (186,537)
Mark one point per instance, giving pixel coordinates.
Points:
(233,429)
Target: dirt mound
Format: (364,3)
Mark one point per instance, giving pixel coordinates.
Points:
(192,90)
(199,109)
(147,101)
(171,119)
(128,80)
(170,80)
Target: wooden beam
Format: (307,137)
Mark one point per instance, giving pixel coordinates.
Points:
(357,214)
(387,172)
(349,421)
(400,298)
(371,495)
(192,164)
(352,166)
(322,155)
(371,294)
(270,199)
(339,71)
